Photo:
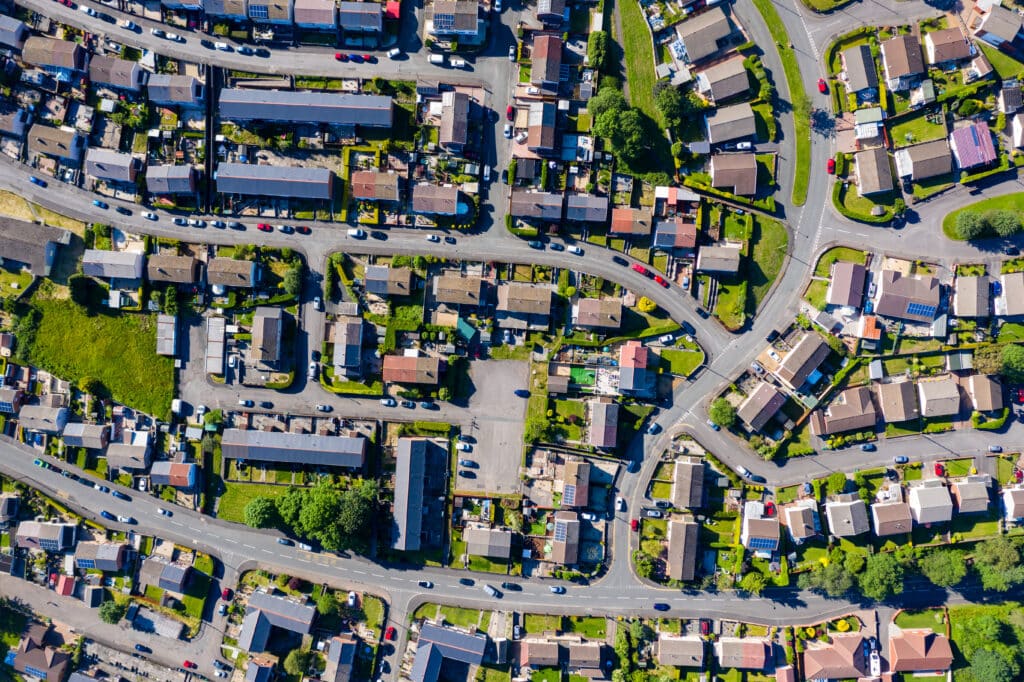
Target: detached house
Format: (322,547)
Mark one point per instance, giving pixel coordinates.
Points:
(38,657)
(597,313)
(688,484)
(702,34)
(536,206)
(985,392)
(682,550)
(946,47)
(913,298)
(435,199)
(919,651)
(761,405)
(847,516)
(454,130)
(113,264)
(453,18)
(971,296)
(736,122)
(267,330)
(724,80)
(759,534)
(971,495)
(859,66)
(972,146)
(924,161)
(841,658)
(405,369)
(523,306)
(940,397)
(893,516)
(994,24)
(851,410)
(743,653)
(846,284)
(735,172)
(874,174)
(228,272)
(800,365)
(458,290)
(376,185)
(898,401)
(902,61)
(930,503)
(384,280)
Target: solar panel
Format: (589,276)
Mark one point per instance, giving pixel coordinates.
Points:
(762,543)
(569,496)
(258,12)
(560,531)
(444,22)
(921,309)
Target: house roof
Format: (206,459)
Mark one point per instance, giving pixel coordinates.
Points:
(176,474)
(971,495)
(458,289)
(908,297)
(165,88)
(800,521)
(120,73)
(760,406)
(719,259)
(386,280)
(851,409)
(902,56)
(898,401)
(56,142)
(225,8)
(940,396)
(250,179)
(322,12)
(107,264)
(586,208)
(682,550)
(540,126)
(402,369)
(986,393)
(30,533)
(737,172)
(170,268)
(341,656)
(546,58)
(999,21)
(805,357)
(585,655)
(860,69)
(731,123)
(971,296)
(452,644)
(846,284)
(1013,502)
(63,54)
(545,205)
(841,658)
(12,31)
(1013,292)
(488,542)
(168,179)
(34,245)
(265,611)
(929,159)
(43,418)
(633,221)
(376,185)
(524,297)
(972,145)
(700,34)
(13,120)
(946,45)
(230,272)
(239,104)
(874,174)
(540,653)
(106,553)
(276,11)
(725,79)
(688,484)
(460,15)
(604,313)
(847,516)
(682,652)
(746,653)
(298,448)
(551,8)
(604,424)
(931,502)
(439,199)
(348,342)
(565,543)
(891,518)
(454,118)
(34,653)
(410,473)
(79,435)
(107,164)
(128,457)
(267,327)
(760,529)
(576,484)
(675,232)
(364,16)
(1010,97)
(919,650)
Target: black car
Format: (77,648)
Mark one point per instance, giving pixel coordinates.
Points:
(377,234)
(449,240)
(703,313)
(143,648)
(1011,251)
(266,405)
(772,335)
(661,606)
(123,211)
(408,404)
(513,587)
(663,504)
(504,177)
(285,541)
(620,260)
(121,496)
(535,244)
(467,581)
(555,246)
(758,479)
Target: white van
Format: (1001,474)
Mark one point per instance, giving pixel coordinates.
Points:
(491,592)
(356,233)
(436,59)
(394,53)
(458,63)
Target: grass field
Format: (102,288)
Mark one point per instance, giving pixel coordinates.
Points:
(639,50)
(768,250)
(915,129)
(838,253)
(731,307)
(1006,66)
(117,349)
(1010,202)
(931,619)
(682,362)
(233,501)
(538,623)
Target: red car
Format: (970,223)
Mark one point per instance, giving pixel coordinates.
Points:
(190,665)
(389,634)
(263,227)
(341,56)
(302,229)
(641,269)
(769,508)
(1020,395)
(830,166)
(822,86)
(225,594)
(705,626)
(634,525)
(1018,475)
(939,469)
(661,280)
(510,112)
(369,58)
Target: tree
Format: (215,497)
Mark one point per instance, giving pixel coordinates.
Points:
(1004,223)
(297,662)
(639,632)
(317,518)
(80,287)
(646,305)
(293,280)
(214,417)
(111,612)
(988,359)
(969,225)
(622,648)
(171,301)
(326,604)
(944,567)
(92,386)
(882,577)
(672,104)
(261,512)
(723,413)
(1013,363)
(606,99)
(833,579)
(853,562)
(998,563)
(990,666)
(643,563)
(754,582)
(289,505)
(444,393)
(836,483)
(597,50)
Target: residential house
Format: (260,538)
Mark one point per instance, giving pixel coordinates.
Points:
(851,410)
(10,503)
(90,436)
(546,58)
(272,11)
(522,305)
(267,332)
(874,174)
(702,34)
(264,612)
(13,32)
(688,484)
(437,644)
(604,423)
(347,359)
(43,419)
(122,74)
(575,484)
(376,185)
(168,179)
(800,365)
(735,122)
(229,272)
(724,80)
(971,495)
(453,18)
(454,129)
(892,516)
(919,652)
(420,465)
(168,90)
(760,406)
(630,221)
(539,653)
(348,452)
(49,537)
(859,67)
(802,520)
(64,145)
(540,128)
(994,23)
(946,47)
(597,313)
(37,655)
(1013,504)
(724,259)
(635,364)
(458,290)
(868,127)
(759,533)
(842,657)
(682,550)
(586,208)
(551,12)
(494,543)
(924,161)
(130,457)
(971,296)
(940,397)
(972,146)
(10,400)
(902,61)
(676,235)
(435,199)
(985,392)
(322,15)
(293,182)
(261,669)
(680,652)
(175,474)
(34,247)
(287,106)
(743,653)
(1009,99)
(536,205)
(113,264)
(234,10)
(384,280)
(670,201)
(171,269)
(13,120)
(898,401)
(358,17)
(846,284)
(930,503)
(405,369)
(914,297)
(341,649)
(62,59)
(585,660)
(1011,302)
(735,172)
(111,166)
(847,515)
(565,541)
(101,556)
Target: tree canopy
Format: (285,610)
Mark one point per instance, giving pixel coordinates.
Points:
(723,413)
(997,562)
(261,512)
(990,666)
(882,577)
(944,567)
(1013,363)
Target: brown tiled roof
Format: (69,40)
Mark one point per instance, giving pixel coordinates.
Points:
(919,650)
(401,369)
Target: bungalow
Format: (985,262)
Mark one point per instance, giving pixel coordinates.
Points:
(265,612)
(341,657)
(228,272)
(286,106)
(676,235)
(111,166)
(453,18)
(597,313)
(348,347)
(166,268)
(846,284)
(604,423)
(347,452)
(113,264)
(575,484)
(43,419)
(915,298)
(1013,504)
(404,369)
(38,657)
(175,474)
(730,123)
(722,258)
(586,208)
(746,653)
(919,652)
(898,401)
(680,652)
(248,179)
(760,406)
(972,146)
(565,545)
(551,12)
(437,644)
(1011,302)
(90,436)
(874,174)
(688,484)
(64,145)
(841,658)
(24,244)
(971,494)
(847,515)
(376,185)
(267,330)
(859,66)
(523,305)
(358,17)
(172,90)
(930,503)
(60,58)
(902,61)
(384,280)
(892,517)
(168,179)
(971,296)
(322,15)
(631,221)
(540,128)
(759,533)
(724,80)
(49,537)
(945,47)
(546,58)
(994,23)
(800,365)
(735,172)
(122,74)
(13,32)
(923,161)
(802,520)
(271,11)
(101,556)
(985,392)
(454,129)
(702,34)
(1009,99)
(435,199)
(940,397)
(458,290)
(536,205)
(851,410)
(130,457)
(585,660)
(682,550)
(493,543)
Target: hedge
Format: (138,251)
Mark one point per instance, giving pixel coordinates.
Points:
(766,204)
(991,424)
(837,188)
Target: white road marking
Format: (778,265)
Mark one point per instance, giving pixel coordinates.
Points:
(251,547)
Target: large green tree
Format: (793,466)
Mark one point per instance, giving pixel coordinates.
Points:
(882,577)
(289,505)
(261,512)
(723,413)
(833,580)
(297,662)
(944,567)
(293,280)
(990,666)
(112,612)
(970,225)
(998,564)
(754,582)
(1013,363)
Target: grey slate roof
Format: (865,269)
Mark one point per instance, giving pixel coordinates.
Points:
(360,16)
(118,73)
(586,208)
(237,104)
(172,89)
(274,181)
(409,483)
(169,179)
(860,69)
(31,244)
(454,120)
(318,13)
(61,54)
(299,448)
(12,31)
(108,264)
(106,164)
(265,611)
(455,645)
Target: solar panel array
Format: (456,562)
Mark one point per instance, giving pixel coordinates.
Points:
(762,543)
(569,495)
(444,22)
(259,11)
(560,531)
(921,309)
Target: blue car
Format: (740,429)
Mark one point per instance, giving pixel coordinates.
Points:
(36,181)
(661,606)
(107,515)
(99,204)
(868,447)
(997,289)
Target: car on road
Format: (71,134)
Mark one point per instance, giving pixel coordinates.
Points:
(620,503)
(426,584)
(107,515)
(995,448)
(101,488)
(285,541)
(661,280)
(555,246)
(312,370)
(245,50)
(244,402)
(432,238)
(450,240)
(341,56)
(120,495)
(130,520)
(388,402)
(522,393)
(285,229)
(36,181)
(654,428)
(158,32)
(142,648)
(575,250)
(467,581)
(357,58)
(641,269)
(634,525)
(88,10)
(754,478)
(100,204)
(464,447)
(511,53)
(514,587)
(263,227)
(940,470)
(742,471)
(424,405)
(225,594)
(220,665)
(39,463)
(830,166)
(900,459)
(619,260)
(303,229)
(535,244)
(714,426)
(123,211)
(508,131)
(408,404)
(661,606)
(222,610)
(266,404)
(557,589)
(1011,251)
(174,38)
(324,408)
(149,215)
(822,86)
(772,335)
(868,447)
(179,221)
(510,112)
(389,634)
(190,665)
(165,512)
(369,58)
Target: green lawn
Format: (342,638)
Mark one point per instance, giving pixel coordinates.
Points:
(815,294)
(861,207)
(931,619)
(639,49)
(682,362)
(915,129)
(195,595)
(117,349)
(537,623)
(838,253)
(373,610)
(233,501)
(547,675)
(768,250)
(825,5)
(731,307)
(587,626)
(1009,202)
(12,622)
(975,526)
(1004,469)
(456,615)
(1006,66)
(958,468)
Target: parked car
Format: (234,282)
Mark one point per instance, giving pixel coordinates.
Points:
(508,131)
(285,229)
(190,665)
(620,503)
(120,495)
(555,246)
(830,166)
(426,584)
(107,515)
(900,459)
(641,269)
(868,447)
(222,610)
(619,260)
(557,589)
(165,512)
(511,53)
(653,513)
(388,402)
(341,56)
(634,525)
(661,606)
(263,227)
(324,408)
(575,250)
(464,447)
(714,426)
(654,428)
(995,448)
(432,238)
(425,405)
(36,181)
(389,634)
(142,648)
(149,215)
(940,470)
(661,280)
(664,504)
(535,244)
(450,240)
(510,112)
(285,541)
(101,488)
(822,86)
(100,204)
(408,404)
(705,626)
(467,581)
(514,587)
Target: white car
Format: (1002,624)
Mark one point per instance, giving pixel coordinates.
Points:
(774,356)
(233,361)
(129,24)
(508,130)
(433,238)
(388,402)
(487,173)
(574,249)
(174,38)
(88,10)
(620,503)
(533,90)
(158,32)
(464,447)
(511,53)
(742,471)
(148,215)
(352,597)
